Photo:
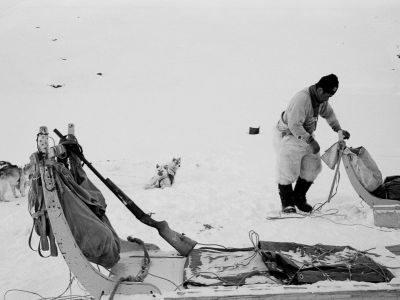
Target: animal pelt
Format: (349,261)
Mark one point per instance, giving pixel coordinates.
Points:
(165,174)
(15,177)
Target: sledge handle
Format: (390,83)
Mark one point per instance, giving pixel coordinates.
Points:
(111,185)
(342,145)
(81,157)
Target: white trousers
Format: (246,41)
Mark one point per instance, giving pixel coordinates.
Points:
(294,159)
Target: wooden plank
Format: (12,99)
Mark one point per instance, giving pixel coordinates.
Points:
(289,295)
(165,272)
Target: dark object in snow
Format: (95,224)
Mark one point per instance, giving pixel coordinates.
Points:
(54,40)
(100,74)
(56,86)
(254,130)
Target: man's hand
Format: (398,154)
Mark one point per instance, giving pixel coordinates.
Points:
(346,134)
(314,146)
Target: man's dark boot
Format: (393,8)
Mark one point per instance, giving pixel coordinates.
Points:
(287,198)
(300,191)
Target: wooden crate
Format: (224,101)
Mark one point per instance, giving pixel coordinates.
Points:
(387,216)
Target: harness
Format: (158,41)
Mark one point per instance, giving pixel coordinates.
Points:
(171,177)
(37,209)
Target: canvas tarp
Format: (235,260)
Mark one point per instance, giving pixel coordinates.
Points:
(225,267)
(280,263)
(299,263)
(365,168)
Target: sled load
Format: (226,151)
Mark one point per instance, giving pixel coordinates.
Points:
(383,196)
(69,214)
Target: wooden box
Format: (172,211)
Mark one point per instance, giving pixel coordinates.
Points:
(387,216)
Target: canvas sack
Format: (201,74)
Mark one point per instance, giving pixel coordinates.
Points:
(331,156)
(365,168)
(84,208)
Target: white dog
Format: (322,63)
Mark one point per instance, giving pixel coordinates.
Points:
(165,175)
(14,176)
(154,182)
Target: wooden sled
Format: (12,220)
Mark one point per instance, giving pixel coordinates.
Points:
(168,265)
(386,211)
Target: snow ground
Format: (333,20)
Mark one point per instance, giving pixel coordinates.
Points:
(188,78)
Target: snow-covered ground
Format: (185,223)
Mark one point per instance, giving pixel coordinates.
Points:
(145,81)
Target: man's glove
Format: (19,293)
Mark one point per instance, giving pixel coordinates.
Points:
(314,145)
(346,134)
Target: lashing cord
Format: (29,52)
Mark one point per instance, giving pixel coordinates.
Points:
(144,270)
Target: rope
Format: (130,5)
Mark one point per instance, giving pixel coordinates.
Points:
(209,245)
(59,297)
(142,272)
(336,184)
(170,281)
(116,287)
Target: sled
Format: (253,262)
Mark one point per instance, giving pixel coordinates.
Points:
(386,211)
(365,195)
(165,277)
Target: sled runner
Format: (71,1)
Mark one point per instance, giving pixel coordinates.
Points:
(264,271)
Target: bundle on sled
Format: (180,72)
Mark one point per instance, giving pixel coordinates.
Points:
(69,214)
(383,196)
(84,208)
(281,263)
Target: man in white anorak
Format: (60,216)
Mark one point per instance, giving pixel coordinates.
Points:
(298,152)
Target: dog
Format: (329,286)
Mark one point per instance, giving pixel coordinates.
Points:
(165,174)
(15,177)
(154,182)
(172,167)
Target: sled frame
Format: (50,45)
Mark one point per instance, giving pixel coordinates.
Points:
(94,281)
